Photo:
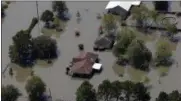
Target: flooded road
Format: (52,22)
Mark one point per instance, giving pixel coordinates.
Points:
(19,15)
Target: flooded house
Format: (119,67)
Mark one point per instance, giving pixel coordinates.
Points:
(121,8)
(104,42)
(84,65)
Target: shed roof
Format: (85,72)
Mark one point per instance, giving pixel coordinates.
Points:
(123,4)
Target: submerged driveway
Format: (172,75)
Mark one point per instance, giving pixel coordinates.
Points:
(19,15)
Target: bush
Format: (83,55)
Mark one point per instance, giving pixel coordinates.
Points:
(139,54)
(35,88)
(163,52)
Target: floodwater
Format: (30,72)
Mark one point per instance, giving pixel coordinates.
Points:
(19,15)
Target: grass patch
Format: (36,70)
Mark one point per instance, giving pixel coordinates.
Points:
(135,74)
(162,70)
(50,32)
(118,69)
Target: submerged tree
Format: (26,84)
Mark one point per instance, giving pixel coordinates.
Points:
(141,92)
(59,6)
(104,90)
(109,22)
(140,14)
(45,46)
(139,54)
(85,92)
(21,51)
(162,97)
(9,93)
(117,90)
(163,51)
(124,39)
(47,15)
(35,88)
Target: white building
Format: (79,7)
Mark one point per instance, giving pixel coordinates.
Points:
(121,8)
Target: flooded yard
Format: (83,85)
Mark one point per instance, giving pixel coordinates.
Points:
(19,15)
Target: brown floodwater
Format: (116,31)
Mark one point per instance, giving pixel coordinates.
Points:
(19,15)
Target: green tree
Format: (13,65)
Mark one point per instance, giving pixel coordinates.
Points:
(45,46)
(163,97)
(163,51)
(175,96)
(85,92)
(59,6)
(128,87)
(104,90)
(117,90)
(35,88)
(140,14)
(47,15)
(109,22)
(32,25)
(9,93)
(171,28)
(141,92)
(21,51)
(124,39)
(139,54)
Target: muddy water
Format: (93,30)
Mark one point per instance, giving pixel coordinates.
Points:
(19,15)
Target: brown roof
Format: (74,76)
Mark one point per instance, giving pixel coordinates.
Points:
(82,64)
(85,55)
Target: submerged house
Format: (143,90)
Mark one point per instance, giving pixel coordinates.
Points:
(104,42)
(84,64)
(121,8)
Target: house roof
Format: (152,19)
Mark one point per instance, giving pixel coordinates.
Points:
(82,67)
(123,4)
(103,41)
(82,64)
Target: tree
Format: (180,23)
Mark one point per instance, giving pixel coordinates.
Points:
(47,15)
(139,54)
(32,25)
(59,6)
(124,39)
(104,90)
(45,46)
(35,88)
(162,97)
(163,51)
(21,51)
(175,96)
(109,22)
(128,90)
(117,90)
(9,93)
(141,92)
(140,14)
(171,28)
(85,92)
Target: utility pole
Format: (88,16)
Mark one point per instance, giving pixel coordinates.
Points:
(37,11)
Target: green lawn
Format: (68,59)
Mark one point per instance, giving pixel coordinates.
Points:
(136,75)
(118,69)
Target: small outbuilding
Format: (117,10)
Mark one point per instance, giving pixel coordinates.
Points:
(121,8)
